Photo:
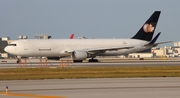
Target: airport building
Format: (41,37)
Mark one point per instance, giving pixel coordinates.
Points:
(177,47)
(42,37)
(140,55)
(4,41)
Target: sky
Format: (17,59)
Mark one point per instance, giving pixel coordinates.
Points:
(89,18)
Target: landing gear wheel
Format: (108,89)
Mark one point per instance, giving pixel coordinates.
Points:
(77,61)
(93,60)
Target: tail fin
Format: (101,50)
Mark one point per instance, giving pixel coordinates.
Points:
(147,30)
(72,36)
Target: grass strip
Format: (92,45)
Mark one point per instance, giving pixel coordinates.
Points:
(89,72)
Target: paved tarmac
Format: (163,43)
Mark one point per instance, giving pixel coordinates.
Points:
(11,63)
(93,88)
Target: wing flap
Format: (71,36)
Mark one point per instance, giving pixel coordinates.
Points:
(103,49)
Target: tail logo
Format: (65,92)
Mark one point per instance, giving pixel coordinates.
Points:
(148,28)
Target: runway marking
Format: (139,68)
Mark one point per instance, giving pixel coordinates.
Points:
(95,88)
(29,95)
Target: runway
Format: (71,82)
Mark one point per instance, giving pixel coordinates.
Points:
(95,88)
(11,63)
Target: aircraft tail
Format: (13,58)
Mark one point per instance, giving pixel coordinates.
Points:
(72,36)
(147,30)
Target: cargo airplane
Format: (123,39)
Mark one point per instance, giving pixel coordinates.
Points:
(81,49)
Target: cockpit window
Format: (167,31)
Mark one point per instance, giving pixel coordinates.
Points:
(12,45)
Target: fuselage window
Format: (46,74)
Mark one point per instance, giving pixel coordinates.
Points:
(11,44)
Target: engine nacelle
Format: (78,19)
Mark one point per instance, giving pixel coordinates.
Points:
(79,55)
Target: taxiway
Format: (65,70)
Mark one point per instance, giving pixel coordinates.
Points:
(95,88)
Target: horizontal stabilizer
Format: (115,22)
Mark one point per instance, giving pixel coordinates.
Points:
(163,42)
(153,43)
(155,38)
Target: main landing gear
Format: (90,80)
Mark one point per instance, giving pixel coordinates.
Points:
(93,60)
(90,60)
(77,61)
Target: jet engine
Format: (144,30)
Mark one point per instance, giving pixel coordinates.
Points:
(79,55)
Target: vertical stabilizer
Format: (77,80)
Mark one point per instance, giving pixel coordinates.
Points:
(147,30)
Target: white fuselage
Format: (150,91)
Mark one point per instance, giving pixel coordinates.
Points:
(57,47)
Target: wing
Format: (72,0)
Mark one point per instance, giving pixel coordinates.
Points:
(100,49)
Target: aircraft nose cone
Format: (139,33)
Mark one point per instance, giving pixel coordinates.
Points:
(6,49)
